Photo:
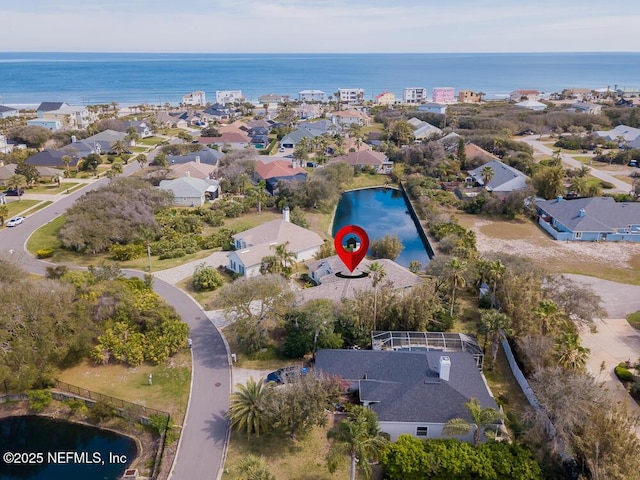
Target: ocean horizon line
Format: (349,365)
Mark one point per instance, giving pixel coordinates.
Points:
(531,52)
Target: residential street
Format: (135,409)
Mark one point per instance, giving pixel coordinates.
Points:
(202,445)
(620,186)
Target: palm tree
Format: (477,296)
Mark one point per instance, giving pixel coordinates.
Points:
(492,323)
(284,255)
(579,185)
(118,147)
(141,159)
(377,272)
(17,183)
(260,193)
(583,171)
(487,175)
(496,271)
(184,136)
(456,278)
(548,312)
(246,408)
(358,438)
(571,354)
(66,159)
(4,212)
(481,419)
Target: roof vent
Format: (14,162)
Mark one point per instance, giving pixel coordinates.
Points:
(559,198)
(582,212)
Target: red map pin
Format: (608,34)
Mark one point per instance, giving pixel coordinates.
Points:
(351,243)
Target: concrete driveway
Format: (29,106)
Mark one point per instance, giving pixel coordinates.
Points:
(615,340)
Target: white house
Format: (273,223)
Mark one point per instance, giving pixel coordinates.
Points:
(386,98)
(195,98)
(505,178)
(53,125)
(229,96)
(351,95)
(412,392)
(531,104)
(191,192)
(6,112)
(311,96)
(344,118)
(255,244)
(414,95)
(69,116)
(432,107)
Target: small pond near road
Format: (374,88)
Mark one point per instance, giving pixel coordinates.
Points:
(38,448)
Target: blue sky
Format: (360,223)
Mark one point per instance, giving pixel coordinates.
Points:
(312,26)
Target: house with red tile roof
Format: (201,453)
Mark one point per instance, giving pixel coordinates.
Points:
(279,171)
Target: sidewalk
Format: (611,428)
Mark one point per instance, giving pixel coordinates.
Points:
(176,274)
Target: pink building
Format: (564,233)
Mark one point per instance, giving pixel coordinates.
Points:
(443,95)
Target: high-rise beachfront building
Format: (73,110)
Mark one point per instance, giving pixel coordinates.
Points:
(469,96)
(311,96)
(351,95)
(229,96)
(414,95)
(197,98)
(443,95)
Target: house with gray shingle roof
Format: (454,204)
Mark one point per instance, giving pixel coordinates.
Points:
(205,155)
(505,178)
(423,130)
(191,192)
(412,392)
(335,288)
(596,219)
(6,112)
(256,243)
(622,132)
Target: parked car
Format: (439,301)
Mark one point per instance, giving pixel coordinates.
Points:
(285,374)
(15,221)
(633,163)
(281,149)
(12,192)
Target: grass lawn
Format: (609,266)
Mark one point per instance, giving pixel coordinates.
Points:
(634,320)
(367,180)
(169,392)
(303,459)
(151,141)
(583,159)
(46,236)
(246,221)
(17,207)
(624,178)
(37,208)
(203,298)
(53,189)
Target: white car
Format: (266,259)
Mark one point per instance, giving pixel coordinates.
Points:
(15,221)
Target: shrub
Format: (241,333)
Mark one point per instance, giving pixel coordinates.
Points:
(623,373)
(206,278)
(56,272)
(45,253)
(76,405)
(127,252)
(39,400)
(102,411)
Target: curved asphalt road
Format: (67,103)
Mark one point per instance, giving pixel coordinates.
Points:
(202,446)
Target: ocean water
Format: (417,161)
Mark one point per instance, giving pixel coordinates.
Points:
(135,78)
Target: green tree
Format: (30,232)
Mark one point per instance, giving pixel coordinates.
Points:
(579,185)
(377,272)
(206,278)
(17,182)
(247,407)
(28,171)
(401,132)
(549,182)
(285,256)
(118,147)
(141,159)
(184,136)
(487,174)
(358,438)
(4,212)
(492,322)
(406,459)
(481,420)
(251,304)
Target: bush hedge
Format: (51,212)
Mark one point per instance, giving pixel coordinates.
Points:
(623,373)
(45,253)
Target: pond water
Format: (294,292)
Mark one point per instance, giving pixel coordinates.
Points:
(54,449)
(382,211)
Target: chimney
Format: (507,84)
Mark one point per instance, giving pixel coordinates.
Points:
(73,139)
(285,214)
(197,158)
(559,198)
(582,212)
(445,368)
(188,173)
